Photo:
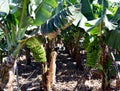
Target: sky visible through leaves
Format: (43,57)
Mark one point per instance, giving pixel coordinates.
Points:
(115,0)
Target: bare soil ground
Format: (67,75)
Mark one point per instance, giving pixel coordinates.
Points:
(67,77)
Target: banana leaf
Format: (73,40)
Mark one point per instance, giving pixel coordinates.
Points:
(44,11)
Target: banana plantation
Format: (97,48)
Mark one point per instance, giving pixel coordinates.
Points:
(59,45)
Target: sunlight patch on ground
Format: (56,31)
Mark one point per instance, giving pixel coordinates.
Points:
(93,83)
(66,86)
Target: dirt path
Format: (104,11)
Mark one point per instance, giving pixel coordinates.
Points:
(67,77)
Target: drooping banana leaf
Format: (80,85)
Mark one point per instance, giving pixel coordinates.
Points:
(10,31)
(108,24)
(59,7)
(44,11)
(116,17)
(57,23)
(114,39)
(78,16)
(93,25)
(87,9)
(20,18)
(20,11)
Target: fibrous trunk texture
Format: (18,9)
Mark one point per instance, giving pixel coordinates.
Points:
(51,77)
(7,74)
(27,54)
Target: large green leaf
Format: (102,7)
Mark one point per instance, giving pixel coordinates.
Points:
(87,9)
(60,6)
(116,16)
(109,24)
(93,52)
(93,25)
(78,16)
(11,33)
(97,9)
(44,11)
(1,34)
(114,39)
(24,18)
(57,23)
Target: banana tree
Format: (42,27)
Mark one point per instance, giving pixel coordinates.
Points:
(18,17)
(2,44)
(98,25)
(72,39)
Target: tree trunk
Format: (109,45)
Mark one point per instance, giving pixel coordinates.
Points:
(7,78)
(76,53)
(78,59)
(49,47)
(27,54)
(0,57)
(51,77)
(7,74)
(103,82)
(11,79)
(43,86)
(118,83)
(103,59)
(4,71)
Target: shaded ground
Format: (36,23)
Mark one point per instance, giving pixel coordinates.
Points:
(67,77)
